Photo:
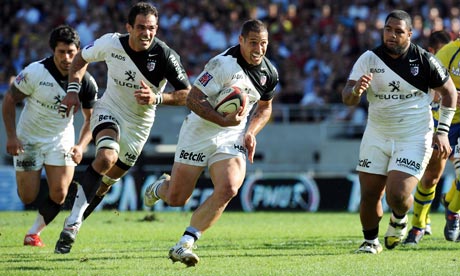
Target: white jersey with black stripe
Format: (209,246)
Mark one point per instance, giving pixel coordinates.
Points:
(125,70)
(230,69)
(40,121)
(399,95)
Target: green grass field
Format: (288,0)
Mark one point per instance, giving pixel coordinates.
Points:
(113,243)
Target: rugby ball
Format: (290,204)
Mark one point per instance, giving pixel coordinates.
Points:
(229,100)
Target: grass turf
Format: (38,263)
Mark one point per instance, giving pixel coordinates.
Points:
(137,243)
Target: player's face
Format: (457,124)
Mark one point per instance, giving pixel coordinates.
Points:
(143,32)
(63,56)
(254,47)
(396,37)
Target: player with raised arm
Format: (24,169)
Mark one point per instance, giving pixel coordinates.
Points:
(139,67)
(43,137)
(221,142)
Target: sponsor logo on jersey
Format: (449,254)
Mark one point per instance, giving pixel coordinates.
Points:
(127,84)
(238,76)
(21,78)
(131,75)
(395,85)
(365,163)
(199,157)
(439,67)
(410,164)
(205,78)
(119,57)
(178,67)
(399,96)
(46,83)
(377,70)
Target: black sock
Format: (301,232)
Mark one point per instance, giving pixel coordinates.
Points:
(90,182)
(371,234)
(92,205)
(49,210)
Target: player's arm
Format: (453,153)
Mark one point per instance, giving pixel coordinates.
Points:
(76,72)
(176,97)
(447,109)
(177,76)
(85,136)
(259,119)
(198,103)
(12,97)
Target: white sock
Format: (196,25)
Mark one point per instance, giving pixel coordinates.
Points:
(38,225)
(397,220)
(79,207)
(187,239)
(374,241)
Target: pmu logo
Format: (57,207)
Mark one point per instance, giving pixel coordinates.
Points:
(199,157)
(411,164)
(365,163)
(287,192)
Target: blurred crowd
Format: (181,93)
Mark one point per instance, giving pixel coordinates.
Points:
(313,43)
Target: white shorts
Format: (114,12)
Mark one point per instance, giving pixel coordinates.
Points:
(54,153)
(379,154)
(132,135)
(202,144)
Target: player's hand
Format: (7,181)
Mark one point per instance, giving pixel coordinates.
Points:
(14,146)
(250,144)
(442,143)
(234,118)
(145,95)
(69,105)
(362,85)
(77,153)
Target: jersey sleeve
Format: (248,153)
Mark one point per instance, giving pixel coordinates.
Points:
(25,81)
(271,86)
(213,77)
(175,71)
(439,74)
(97,50)
(88,91)
(360,67)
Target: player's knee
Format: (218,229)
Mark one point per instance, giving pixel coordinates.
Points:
(176,199)
(27,198)
(58,195)
(106,152)
(226,194)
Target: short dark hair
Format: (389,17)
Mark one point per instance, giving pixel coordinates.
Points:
(143,8)
(66,34)
(438,37)
(400,15)
(253,25)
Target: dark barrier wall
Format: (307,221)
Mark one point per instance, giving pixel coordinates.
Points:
(260,192)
